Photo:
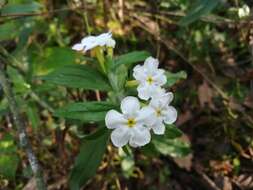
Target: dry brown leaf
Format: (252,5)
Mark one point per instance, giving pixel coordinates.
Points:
(205,95)
(184,117)
(244,181)
(248,101)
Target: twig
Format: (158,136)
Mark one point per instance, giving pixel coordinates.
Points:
(41,102)
(23,137)
(209,183)
(121,10)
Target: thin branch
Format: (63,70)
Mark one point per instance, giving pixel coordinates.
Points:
(21,129)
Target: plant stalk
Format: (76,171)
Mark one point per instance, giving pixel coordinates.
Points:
(21,129)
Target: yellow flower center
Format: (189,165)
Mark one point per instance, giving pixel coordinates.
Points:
(150,80)
(158,112)
(131,122)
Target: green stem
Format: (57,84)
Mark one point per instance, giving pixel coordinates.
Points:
(23,137)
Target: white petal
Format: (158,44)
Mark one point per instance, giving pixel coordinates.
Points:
(114,119)
(168,97)
(160,78)
(78,47)
(170,115)
(151,63)
(158,128)
(155,103)
(130,105)
(145,91)
(139,73)
(146,116)
(133,144)
(105,35)
(90,46)
(88,40)
(106,39)
(161,99)
(158,93)
(120,136)
(140,136)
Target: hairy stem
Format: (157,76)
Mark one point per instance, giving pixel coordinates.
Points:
(23,137)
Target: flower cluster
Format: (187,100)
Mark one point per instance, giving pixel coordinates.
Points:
(134,124)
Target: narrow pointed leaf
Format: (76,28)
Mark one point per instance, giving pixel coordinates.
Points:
(85,111)
(88,160)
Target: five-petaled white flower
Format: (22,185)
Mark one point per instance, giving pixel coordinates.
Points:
(149,78)
(130,126)
(91,42)
(163,112)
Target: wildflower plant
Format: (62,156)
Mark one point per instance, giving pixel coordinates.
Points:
(136,112)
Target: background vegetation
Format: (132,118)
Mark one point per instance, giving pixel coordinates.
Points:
(205,44)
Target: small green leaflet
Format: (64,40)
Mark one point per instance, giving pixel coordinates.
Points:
(78,76)
(172,132)
(170,144)
(173,78)
(88,160)
(172,147)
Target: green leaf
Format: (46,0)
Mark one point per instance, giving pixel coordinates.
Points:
(21,8)
(99,132)
(78,76)
(88,160)
(172,132)
(85,111)
(8,157)
(171,147)
(9,30)
(33,116)
(8,165)
(20,85)
(55,57)
(173,78)
(199,9)
(118,78)
(131,58)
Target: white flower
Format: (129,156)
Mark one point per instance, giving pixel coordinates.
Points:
(130,125)
(149,77)
(244,11)
(163,112)
(91,42)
